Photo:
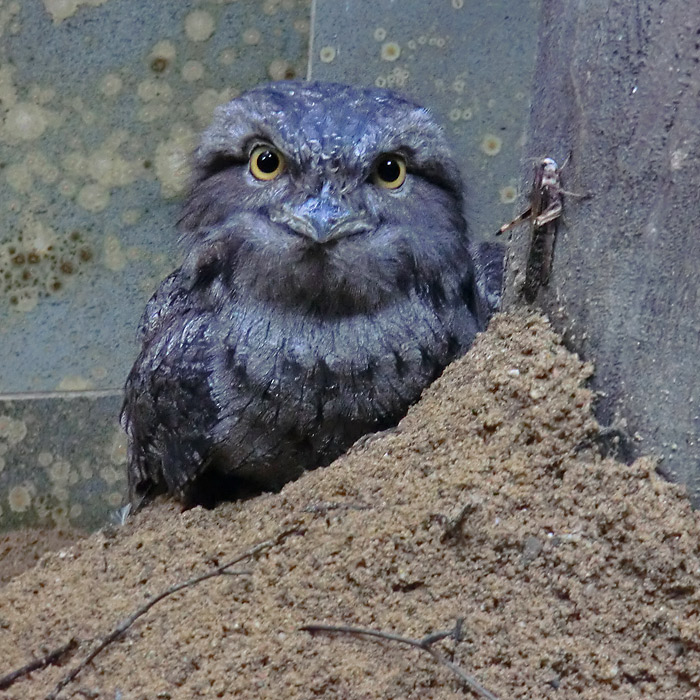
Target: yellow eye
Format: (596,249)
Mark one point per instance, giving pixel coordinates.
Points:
(266,163)
(389,171)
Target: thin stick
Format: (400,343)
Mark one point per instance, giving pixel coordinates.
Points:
(126,623)
(53,657)
(425,644)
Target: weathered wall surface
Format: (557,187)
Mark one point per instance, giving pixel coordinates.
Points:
(100,104)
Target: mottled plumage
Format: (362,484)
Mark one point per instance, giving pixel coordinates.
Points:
(316,300)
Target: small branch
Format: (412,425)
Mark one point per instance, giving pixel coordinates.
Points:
(425,644)
(322,508)
(53,657)
(126,623)
(455,633)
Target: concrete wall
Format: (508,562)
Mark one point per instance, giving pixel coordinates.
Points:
(102,103)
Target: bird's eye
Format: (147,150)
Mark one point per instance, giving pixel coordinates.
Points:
(266,163)
(389,171)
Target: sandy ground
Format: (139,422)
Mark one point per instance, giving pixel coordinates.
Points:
(574,576)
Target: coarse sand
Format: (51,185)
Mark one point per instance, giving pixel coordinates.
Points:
(573,576)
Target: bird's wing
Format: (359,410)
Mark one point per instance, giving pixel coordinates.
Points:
(169,413)
(167,300)
(489,259)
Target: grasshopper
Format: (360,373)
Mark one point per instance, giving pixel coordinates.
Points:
(546,204)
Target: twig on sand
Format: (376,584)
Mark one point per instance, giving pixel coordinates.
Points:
(53,657)
(426,644)
(123,626)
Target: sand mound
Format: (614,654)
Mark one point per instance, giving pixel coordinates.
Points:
(575,576)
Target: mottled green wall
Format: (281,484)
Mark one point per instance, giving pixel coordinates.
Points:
(100,111)
(101,102)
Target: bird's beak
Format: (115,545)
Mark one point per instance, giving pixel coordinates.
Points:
(321,218)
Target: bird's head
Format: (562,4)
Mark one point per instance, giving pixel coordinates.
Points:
(324,194)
